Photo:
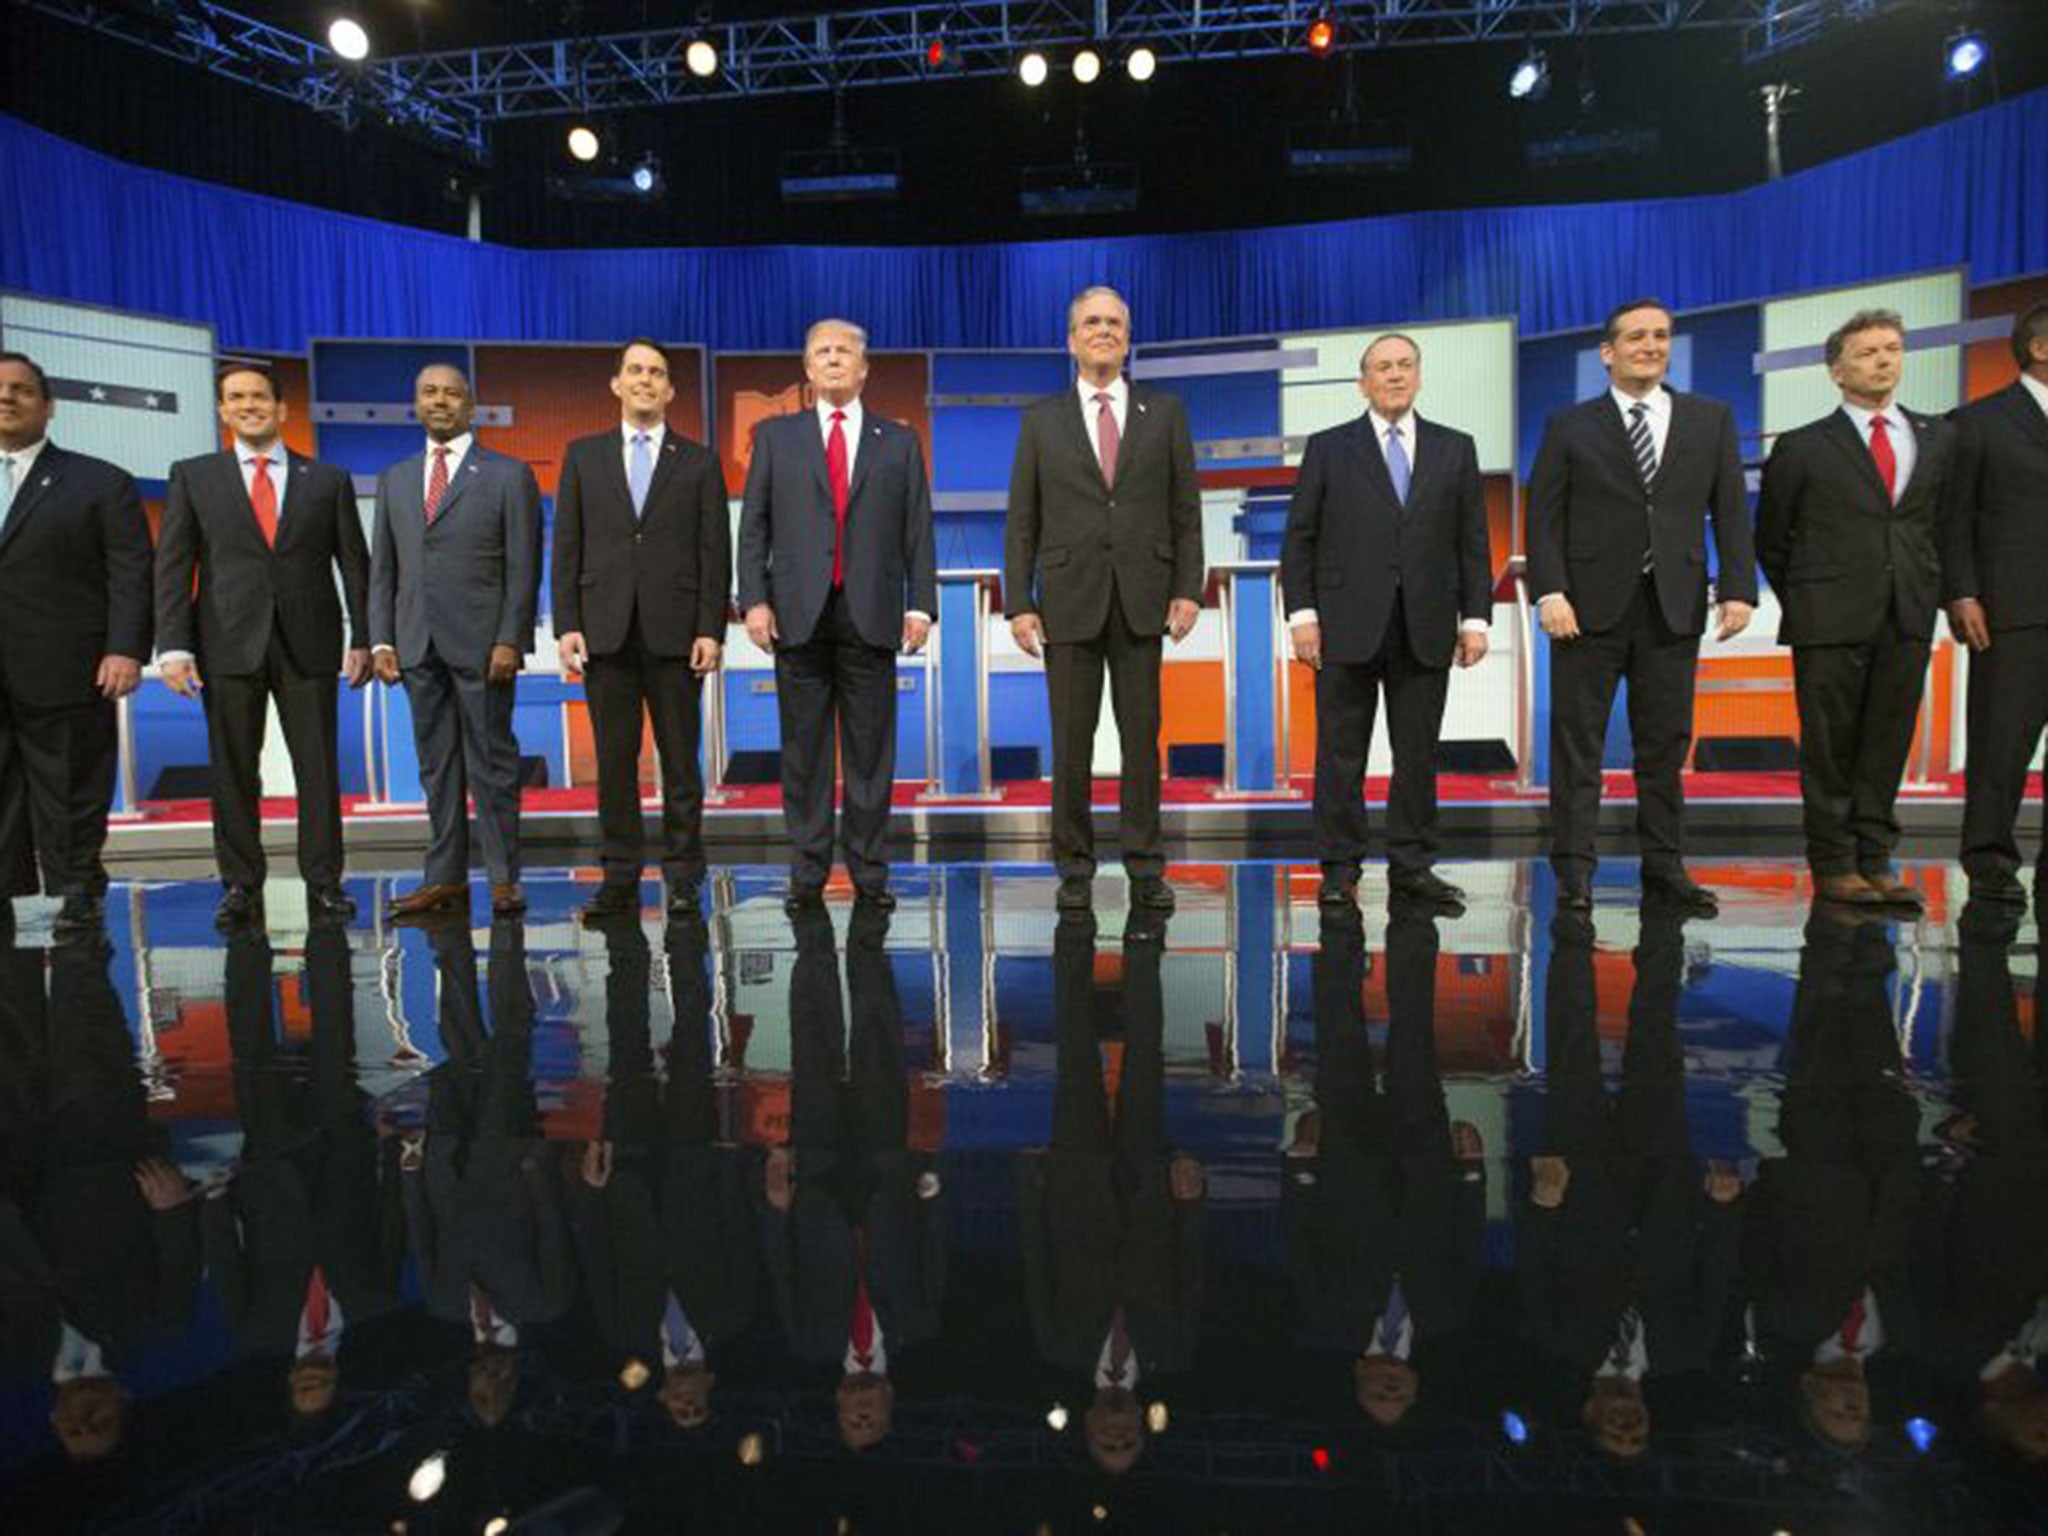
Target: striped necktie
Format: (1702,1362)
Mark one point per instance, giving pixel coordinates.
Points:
(1641,443)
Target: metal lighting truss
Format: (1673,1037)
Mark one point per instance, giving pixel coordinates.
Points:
(451,96)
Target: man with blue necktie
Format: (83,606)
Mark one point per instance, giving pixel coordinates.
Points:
(642,578)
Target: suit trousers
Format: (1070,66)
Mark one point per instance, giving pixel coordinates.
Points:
(1347,698)
(462,727)
(1073,678)
(56,784)
(1857,708)
(1660,665)
(2008,709)
(837,688)
(236,711)
(621,685)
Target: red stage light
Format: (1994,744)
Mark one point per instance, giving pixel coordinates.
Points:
(1322,35)
(1319,1459)
(935,53)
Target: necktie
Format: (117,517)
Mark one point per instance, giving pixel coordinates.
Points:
(1119,1349)
(640,473)
(1397,465)
(1395,1318)
(1630,1329)
(1887,459)
(316,1305)
(263,497)
(437,484)
(6,486)
(1641,443)
(1107,439)
(862,1333)
(1852,1331)
(835,474)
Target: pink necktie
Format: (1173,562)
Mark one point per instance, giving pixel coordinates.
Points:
(437,485)
(1107,440)
(835,473)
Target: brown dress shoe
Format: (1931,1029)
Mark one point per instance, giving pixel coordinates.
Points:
(508,900)
(1849,890)
(429,901)
(1893,891)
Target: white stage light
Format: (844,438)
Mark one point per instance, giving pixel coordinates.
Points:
(1087,66)
(701,58)
(1032,69)
(345,35)
(583,143)
(1142,65)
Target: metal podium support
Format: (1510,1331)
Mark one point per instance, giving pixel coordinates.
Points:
(957,765)
(1224,581)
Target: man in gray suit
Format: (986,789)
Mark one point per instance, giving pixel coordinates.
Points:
(454,577)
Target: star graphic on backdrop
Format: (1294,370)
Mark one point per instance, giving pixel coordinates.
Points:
(152,401)
(98,393)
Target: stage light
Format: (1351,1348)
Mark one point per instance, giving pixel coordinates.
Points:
(1922,1432)
(1530,80)
(752,1450)
(1322,36)
(1087,66)
(1157,1419)
(1032,69)
(1319,1458)
(1965,54)
(583,143)
(1515,1427)
(646,177)
(935,53)
(427,1478)
(1142,65)
(345,35)
(1056,1418)
(701,59)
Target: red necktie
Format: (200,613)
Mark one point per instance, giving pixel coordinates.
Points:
(1107,440)
(835,473)
(1852,1328)
(263,497)
(480,1314)
(437,485)
(316,1306)
(1887,461)
(863,1331)
(1119,1349)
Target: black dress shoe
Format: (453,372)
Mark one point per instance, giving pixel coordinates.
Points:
(1077,894)
(239,904)
(614,898)
(329,904)
(80,913)
(878,897)
(1425,887)
(1574,893)
(1682,891)
(1152,893)
(802,898)
(1337,893)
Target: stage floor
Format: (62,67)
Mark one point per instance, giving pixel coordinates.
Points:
(1237,1124)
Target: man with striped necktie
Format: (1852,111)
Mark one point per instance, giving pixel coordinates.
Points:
(1618,560)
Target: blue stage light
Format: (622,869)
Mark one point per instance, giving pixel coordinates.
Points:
(1922,1433)
(1515,1427)
(1967,53)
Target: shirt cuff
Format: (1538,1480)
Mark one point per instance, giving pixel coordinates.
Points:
(917,613)
(164,658)
(1476,627)
(1546,597)
(1302,616)
(390,648)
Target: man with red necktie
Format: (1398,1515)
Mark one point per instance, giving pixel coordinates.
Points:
(1846,535)
(837,573)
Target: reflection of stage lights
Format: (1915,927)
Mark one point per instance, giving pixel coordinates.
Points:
(583,143)
(1157,1419)
(1032,69)
(427,1478)
(1531,78)
(1515,1427)
(1087,66)
(752,1450)
(1056,1418)
(345,35)
(1142,65)
(701,59)
(1922,1432)
(1964,54)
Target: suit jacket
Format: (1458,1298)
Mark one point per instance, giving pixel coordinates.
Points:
(74,578)
(1591,521)
(246,588)
(1351,545)
(1838,552)
(1069,534)
(1994,520)
(673,564)
(787,531)
(472,580)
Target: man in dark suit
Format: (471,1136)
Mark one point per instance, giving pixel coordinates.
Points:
(1994,576)
(1102,554)
(74,584)
(454,579)
(1388,579)
(1845,531)
(1618,559)
(837,572)
(252,539)
(643,563)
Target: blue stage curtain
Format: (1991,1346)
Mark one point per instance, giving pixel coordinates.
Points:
(75,224)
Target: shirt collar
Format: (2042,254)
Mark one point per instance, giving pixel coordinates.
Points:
(825,408)
(2036,388)
(1381,425)
(1658,400)
(1862,416)
(1118,389)
(245,455)
(24,457)
(458,447)
(654,433)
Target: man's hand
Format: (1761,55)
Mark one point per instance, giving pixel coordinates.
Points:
(1471,647)
(597,1163)
(1549,1178)
(1180,618)
(384,662)
(1185,1177)
(1735,617)
(118,676)
(761,627)
(163,1186)
(915,632)
(1308,644)
(1722,1183)
(571,653)
(182,677)
(355,667)
(1966,621)
(704,655)
(1028,633)
(504,664)
(1466,1142)
(1560,620)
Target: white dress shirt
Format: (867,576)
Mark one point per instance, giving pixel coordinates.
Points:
(280,470)
(458,450)
(851,426)
(1104,1376)
(326,1342)
(1905,448)
(878,1357)
(24,462)
(77,1356)
(655,433)
(1119,392)
(2028,382)
(1399,1345)
(1410,439)
(1870,1337)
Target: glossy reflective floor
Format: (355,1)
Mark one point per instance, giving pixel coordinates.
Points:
(970,1218)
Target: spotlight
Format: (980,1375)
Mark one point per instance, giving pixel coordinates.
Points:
(646,177)
(701,59)
(1157,1419)
(583,143)
(1922,1433)
(1515,1427)
(345,35)
(1032,69)
(427,1478)
(935,53)
(1056,1418)
(1087,66)
(1965,54)
(1322,36)
(1142,65)
(1531,78)
(1319,1458)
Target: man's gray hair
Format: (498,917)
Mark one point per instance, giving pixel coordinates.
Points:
(859,335)
(1098,291)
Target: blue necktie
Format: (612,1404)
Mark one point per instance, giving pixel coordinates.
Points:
(6,486)
(1397,465)
(1395,1317)
(640,472)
